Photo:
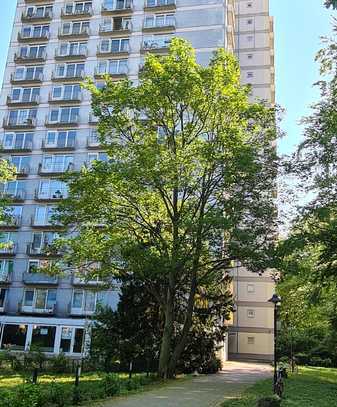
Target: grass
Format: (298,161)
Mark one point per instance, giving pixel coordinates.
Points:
(311,387)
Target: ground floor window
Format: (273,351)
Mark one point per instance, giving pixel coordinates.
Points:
(14,337)
(72,340)
(43,337)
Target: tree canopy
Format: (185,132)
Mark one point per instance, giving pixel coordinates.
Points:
(187,189)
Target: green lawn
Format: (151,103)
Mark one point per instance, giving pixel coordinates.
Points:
(311,387)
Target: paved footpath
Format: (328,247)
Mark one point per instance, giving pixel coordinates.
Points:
(202,391)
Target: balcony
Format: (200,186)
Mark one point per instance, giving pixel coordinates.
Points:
(44,224)
(157,28)
(123,10)
(17,148)
(36,17)
(69,145)
(22,171)
(77,98)
(82,282)
(31,39)
(115,30)
(24,59)
(33,101)
(39,278)
(17,196)
(11,222)
(93,119)
(55,169)
(78,54)
(29,123)
(72,122)
(26,309)
(85,12)
(158,45)
(93,143)
(51,195)
(74,35)
(79,312)
(4,305)
(24,81)
(120,53)
(5,277)
(9,250)
(155,6)
(46,250)
(68,78)
(112,75)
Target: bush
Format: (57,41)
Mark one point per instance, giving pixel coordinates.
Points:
(134,383)
(60,364)
(26,395)
(211,366)
(111,384)
(273,401)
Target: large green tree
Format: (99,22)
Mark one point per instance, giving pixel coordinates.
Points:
(187,189)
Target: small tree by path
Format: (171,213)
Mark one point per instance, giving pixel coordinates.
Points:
(188,186)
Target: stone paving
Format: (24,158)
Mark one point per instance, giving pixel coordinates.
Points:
(202,391)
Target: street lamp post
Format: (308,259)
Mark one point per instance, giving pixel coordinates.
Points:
(276,300)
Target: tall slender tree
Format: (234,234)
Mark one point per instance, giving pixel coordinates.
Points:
(187,189)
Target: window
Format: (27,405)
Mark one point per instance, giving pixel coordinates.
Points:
(39,11)
(114,45)
(60,139)
(250,21)
(114,67)
(250,74)
(75,28)
(33,51)
(249,4)
(72,340)
(25,95)
(117,4)
(15,189)
(78,8)
(44,215)
(86,301)
(35,31)
(250,288)
(22,117)
(12,212)
(57,163)
(43,337)
(250,56)
(92,157)
(14,337)
(18,141)
(250,313)
(33,266)
(21,163)
(64,115)
(154,3)
(40,299)
(72,48)
(69,70)
(52,189)
(3,292)
(28,73)
(251,340)
(250,38)
(115,24)
(159,20)
(41,241)
(156,41)
(6,268)
(66,92)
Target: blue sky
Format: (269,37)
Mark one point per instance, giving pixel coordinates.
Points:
(299,25)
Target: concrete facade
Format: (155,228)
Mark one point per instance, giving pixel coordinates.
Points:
(47,128)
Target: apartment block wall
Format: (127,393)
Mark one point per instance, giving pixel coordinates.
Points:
(208,25)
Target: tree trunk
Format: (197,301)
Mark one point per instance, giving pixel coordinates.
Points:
(165,348)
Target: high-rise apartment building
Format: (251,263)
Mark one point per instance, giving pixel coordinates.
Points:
(48,128)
